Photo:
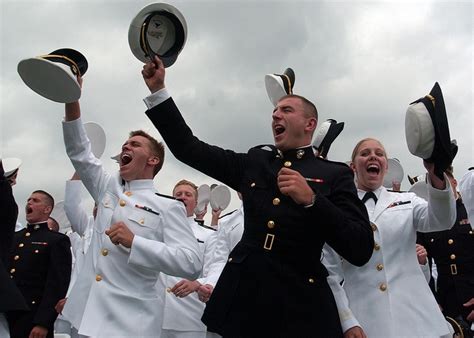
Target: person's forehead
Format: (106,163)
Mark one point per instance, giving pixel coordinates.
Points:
(184,188)
(371,144)
(290,101)
(37,196)
(137,138)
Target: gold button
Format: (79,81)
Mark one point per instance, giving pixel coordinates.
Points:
(379,267)
(230,259)
(270,224)
(374,227)
(128,193)
(287,164)
(33,302)
(16,257)
(376,247)
(36,251)
(36,227)
(27,234)
(276,201)
(142,221)
(168,289)
(432,240)
(98,278)
(122,203)
(453,256)
(252,184)
(450,241)
(311,280)
(383,287)
(21,245)
(12,271)
(470,232)
(105,252)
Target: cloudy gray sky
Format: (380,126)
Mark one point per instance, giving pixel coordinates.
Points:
(361,62)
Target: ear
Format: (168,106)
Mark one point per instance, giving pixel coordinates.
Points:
(352,166)
(311,124)
(48,209)
(153,161)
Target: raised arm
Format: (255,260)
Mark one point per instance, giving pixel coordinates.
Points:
(73,208)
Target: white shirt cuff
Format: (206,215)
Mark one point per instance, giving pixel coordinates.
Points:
(156,98)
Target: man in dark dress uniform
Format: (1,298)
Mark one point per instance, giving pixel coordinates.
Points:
(274,284)
(40,266)
(453,254)
(11,298)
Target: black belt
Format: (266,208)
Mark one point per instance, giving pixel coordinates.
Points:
(455,269)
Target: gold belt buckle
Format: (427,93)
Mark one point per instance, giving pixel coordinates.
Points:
(268,241)
(454,269)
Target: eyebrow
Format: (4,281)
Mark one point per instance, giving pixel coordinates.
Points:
(283,107)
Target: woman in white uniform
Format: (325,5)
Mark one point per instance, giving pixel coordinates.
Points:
(389,296)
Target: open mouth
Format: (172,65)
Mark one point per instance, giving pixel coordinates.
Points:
(126,159)
(279,129)
(28,210)
(373,169)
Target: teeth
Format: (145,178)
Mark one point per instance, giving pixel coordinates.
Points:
(126,158)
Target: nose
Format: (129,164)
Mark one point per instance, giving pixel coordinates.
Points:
(276,114)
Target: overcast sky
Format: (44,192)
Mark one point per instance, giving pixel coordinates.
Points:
(361,62)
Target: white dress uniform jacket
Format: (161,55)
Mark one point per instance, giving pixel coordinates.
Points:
(82,223)
(389,296)
(466,189)
(115,294)
(184,314)
(231,228)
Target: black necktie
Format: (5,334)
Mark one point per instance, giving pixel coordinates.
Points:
(369,194)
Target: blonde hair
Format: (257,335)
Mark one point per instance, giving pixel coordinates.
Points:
(356,148)
(191,184)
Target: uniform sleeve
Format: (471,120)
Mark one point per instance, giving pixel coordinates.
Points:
(73,208)
(439,213)
(89,168)
(219,259)
(333,263)
(347,225)
(8,215)
(209,251)
(57,283)
(178,254)
(466,188)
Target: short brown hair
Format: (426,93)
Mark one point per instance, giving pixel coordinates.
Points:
(191,184)
(308,106)
(157,148)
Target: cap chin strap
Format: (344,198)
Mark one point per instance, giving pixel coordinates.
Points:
(72,63)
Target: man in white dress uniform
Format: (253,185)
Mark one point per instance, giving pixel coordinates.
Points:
(137,234)
(183,310)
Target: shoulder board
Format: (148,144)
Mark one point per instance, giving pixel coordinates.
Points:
(333,162)
(208,227)
(268,147)
(229,213)
(165,196)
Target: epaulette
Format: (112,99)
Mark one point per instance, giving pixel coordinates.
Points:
(229,213)
(329,161)
(208,227)
(166,196)
(270,147)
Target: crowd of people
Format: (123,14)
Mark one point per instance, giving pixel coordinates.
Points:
(316,249)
